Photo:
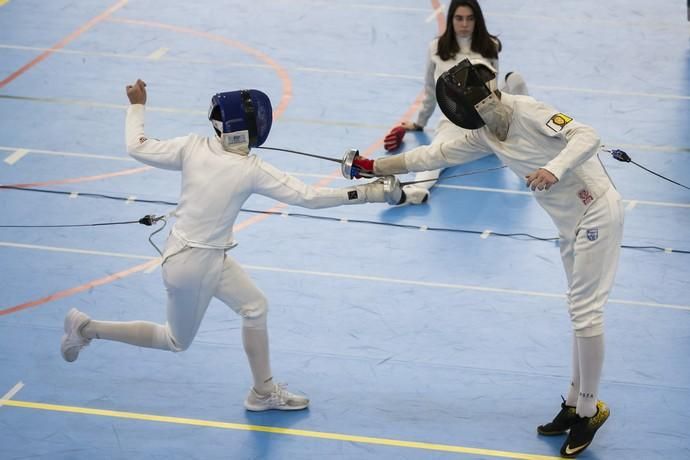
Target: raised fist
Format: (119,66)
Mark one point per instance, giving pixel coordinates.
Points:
(137,92)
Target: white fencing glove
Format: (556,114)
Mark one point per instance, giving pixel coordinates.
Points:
(384,189)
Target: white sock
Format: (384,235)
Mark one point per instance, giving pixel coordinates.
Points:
(574,388)
(139,333)
(591,350)
(255,341)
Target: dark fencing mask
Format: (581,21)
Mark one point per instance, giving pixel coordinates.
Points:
(242,119)
(466,96)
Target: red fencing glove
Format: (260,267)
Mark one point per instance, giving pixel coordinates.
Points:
(362,167)
(394,138)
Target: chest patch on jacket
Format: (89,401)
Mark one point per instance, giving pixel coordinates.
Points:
(558,122)
(585,196)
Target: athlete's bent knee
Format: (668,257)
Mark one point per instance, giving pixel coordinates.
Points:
(255,308)
(177,344)
(255,313)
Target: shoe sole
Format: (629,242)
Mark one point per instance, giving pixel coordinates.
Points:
(63,352)
(66,325)
(552,433)
(264,409)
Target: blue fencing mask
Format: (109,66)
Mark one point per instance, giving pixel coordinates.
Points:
(242,119)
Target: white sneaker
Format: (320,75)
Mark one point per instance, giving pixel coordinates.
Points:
(415,195)
(73,341)
(279,399)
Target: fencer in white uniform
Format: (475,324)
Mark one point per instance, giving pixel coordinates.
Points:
(558,157)
(464,22)
(218,174)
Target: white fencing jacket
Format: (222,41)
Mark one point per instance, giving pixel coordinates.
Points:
(216,183)
(539,137)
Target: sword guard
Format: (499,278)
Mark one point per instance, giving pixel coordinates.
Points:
(347,163)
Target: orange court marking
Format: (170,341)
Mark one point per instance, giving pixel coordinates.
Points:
(62,43)
(75,180)
(83,287)
(280,71)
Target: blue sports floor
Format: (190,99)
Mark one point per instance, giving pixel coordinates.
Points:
(416,332)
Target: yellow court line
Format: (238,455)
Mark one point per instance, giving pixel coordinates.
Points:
(276,430)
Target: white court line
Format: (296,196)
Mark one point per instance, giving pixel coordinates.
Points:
(610,92)
(367,6)
(590,20)
(158,54)
(520,192)
(396,76)
(322,176)
(16,156)
(432,17)
(456,286)
(74,251)
(631,205)
(360,277)
(70,154)
(650,148)
(13,391)
(358,73)
(84,103)
(138,57)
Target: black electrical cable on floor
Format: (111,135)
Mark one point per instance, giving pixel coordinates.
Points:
(151,219)
(71,225)
(620,155)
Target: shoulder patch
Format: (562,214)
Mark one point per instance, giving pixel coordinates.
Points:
(558,122)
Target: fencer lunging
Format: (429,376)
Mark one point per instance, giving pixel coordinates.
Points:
(218,174)
(558,158)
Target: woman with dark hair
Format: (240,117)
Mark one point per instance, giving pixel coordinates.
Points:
(465,37)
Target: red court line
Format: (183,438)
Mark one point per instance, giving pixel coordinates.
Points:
(84,287)
(62,43)
(440,17)
(75,180)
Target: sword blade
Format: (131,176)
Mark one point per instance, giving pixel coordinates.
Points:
(303,153)
(469,173)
